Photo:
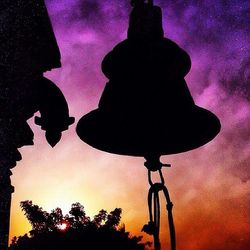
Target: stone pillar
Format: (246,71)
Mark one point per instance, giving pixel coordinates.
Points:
(6,189)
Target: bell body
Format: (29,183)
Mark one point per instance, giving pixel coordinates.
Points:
(146,78)
(146,107)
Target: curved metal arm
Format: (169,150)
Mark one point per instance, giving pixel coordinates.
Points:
(54,111)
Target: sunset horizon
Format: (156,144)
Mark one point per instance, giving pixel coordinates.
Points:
(209,186)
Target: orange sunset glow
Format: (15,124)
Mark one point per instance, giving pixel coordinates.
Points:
(209,186)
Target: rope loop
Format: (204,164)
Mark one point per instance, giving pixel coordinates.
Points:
(156,187)
(153,164)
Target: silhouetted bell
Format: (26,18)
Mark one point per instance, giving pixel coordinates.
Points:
(146,107)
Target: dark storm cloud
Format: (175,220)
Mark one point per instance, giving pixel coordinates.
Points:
(98,13)
(239,82)
(88,11)
(222,29)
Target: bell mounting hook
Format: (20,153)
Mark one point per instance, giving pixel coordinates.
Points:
(134,2)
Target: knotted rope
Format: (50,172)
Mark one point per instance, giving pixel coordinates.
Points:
(153,227)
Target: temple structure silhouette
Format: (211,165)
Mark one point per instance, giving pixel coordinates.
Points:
(146,108)
(28,48)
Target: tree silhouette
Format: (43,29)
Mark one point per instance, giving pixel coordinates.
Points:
(75,230)
(77,217)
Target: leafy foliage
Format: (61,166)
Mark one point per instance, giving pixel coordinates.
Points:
(74,230)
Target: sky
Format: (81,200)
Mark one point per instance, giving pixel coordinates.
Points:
(209,186)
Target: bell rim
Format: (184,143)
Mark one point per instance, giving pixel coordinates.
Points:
(134,151)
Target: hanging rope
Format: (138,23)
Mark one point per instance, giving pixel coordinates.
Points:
(153,227)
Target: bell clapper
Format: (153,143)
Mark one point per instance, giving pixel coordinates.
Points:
(153,164)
